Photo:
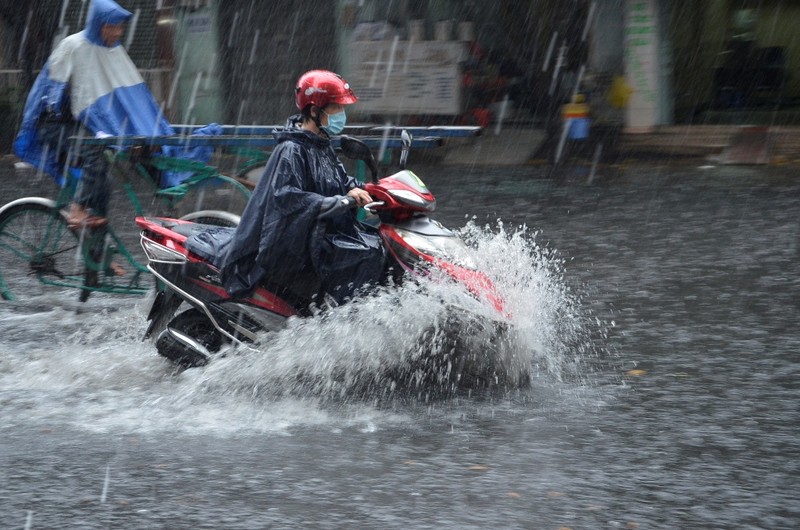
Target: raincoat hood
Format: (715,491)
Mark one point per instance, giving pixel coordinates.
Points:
(293,132)
(103,12)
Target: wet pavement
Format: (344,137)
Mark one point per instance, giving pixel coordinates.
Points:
(659,305)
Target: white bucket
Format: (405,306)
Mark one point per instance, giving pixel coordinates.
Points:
(444,30)
(416,30)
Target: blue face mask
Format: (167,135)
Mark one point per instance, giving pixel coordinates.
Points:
(336,123)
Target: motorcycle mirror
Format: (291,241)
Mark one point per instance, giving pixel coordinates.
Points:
(357,150)
(405,138)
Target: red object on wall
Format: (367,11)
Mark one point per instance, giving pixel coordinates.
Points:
(483,117)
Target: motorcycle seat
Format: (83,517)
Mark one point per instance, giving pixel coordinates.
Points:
(210,243)
(189,229)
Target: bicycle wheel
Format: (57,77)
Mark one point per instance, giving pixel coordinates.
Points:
(251,172)
(219,193)
(213,217)
(39,254)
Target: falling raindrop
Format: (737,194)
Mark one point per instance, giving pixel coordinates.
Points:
(157,122)
(104,494)
(595,159)
(131,31)
(409,50)
(577,87)
(254,48)
(373,78)
(589,20)
(64,6)
(24,39)
(501,115)
(562,139)
(384,141)
(211,73)
(549,54)
(173,90)
(294,29)
(240,114)
(193,96)
(233,28)
(390,65)
(82,13)
(562,53)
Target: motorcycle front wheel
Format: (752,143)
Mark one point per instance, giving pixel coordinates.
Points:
(189,340)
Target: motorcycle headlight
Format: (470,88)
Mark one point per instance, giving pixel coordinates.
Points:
(448,248)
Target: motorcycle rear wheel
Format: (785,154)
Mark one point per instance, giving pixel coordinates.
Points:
(196,325)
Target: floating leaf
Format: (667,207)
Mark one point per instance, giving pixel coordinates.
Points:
(636,372)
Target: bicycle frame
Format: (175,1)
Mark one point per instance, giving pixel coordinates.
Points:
(97,249)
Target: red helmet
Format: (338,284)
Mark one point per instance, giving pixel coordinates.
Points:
(320,87)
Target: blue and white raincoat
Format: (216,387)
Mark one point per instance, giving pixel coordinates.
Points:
(97,84)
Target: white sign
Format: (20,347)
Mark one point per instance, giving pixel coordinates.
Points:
(408,77)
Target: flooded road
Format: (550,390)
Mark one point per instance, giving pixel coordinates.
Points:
(659,311)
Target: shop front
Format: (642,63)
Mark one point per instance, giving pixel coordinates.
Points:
(736,61)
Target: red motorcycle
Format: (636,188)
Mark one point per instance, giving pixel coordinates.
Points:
(418,247)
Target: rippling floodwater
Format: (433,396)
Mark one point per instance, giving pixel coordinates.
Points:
(660,311)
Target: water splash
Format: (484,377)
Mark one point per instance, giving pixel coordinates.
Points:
(422,340)
(544,311)
(92,370)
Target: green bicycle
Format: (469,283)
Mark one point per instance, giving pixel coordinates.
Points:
(41,255)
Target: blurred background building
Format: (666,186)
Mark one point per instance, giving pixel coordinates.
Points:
(640,63)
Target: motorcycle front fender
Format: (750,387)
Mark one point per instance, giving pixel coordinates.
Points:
(164,306)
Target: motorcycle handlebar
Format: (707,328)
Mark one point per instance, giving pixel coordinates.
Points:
(369,206)
(339,204)
(335,206)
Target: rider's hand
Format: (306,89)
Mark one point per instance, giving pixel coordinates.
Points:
(361,196)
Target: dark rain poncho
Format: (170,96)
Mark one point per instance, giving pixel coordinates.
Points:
(280,238)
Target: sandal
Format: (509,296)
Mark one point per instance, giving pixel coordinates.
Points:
(116,269)
(79,217)
(91,221)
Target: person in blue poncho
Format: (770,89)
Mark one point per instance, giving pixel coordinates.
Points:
(280,239)
(88,87)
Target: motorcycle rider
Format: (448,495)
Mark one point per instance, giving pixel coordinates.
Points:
(280,237)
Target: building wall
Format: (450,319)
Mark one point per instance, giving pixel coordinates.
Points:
(264,47)
(197,97)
